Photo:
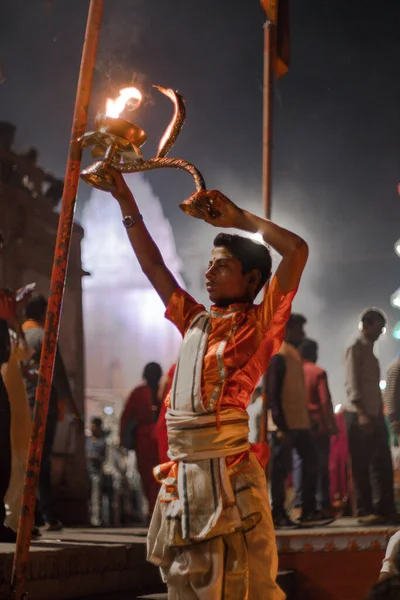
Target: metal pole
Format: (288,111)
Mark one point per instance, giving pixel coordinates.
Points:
(57,286)
(267,167)
(267,118)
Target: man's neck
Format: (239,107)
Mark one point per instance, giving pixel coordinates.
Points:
(228,303)
(367,340)
(292,344)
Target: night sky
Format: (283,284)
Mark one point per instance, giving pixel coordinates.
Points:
(336,119)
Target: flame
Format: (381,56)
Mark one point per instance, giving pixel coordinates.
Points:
(115,107)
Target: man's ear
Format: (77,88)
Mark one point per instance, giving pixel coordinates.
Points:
(254,277)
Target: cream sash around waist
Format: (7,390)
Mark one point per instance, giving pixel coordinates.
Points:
(200,447)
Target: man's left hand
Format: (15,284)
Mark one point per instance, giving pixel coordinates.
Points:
(216,209)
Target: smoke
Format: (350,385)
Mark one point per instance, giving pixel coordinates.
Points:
(106,251)
(331,326)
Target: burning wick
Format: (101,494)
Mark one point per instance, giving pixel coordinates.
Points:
(130,96)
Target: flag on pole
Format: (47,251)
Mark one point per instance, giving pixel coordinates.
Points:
(277,12)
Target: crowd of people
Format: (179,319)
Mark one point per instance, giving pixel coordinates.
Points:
(206,485)
(22,319)
(322,463)
(315,446)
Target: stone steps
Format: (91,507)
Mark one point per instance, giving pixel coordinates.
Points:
(85,564)
(89,563)
(286,579)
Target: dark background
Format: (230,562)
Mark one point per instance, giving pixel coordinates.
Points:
(336,118)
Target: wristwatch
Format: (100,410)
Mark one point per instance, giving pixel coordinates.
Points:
(130,221)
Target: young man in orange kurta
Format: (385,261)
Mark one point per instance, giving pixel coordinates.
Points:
(212,533)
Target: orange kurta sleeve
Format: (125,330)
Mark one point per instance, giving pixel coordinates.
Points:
(274,311)
(182,309)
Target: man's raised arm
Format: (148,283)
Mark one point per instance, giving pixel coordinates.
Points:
(291,247)
(146,250)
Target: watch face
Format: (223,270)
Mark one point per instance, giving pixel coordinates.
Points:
(128,221)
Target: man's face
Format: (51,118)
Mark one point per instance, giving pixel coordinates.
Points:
(374,329)
(295,335)
(96,429)
(225,281)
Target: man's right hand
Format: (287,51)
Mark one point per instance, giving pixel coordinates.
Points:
(121,191)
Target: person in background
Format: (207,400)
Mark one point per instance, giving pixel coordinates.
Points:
(20,414)
(287,400)
(8,307)
(138,429)
(95,457)
(366,427)
(323,425)
(391,396)
(20,423)
(161,427)
(33,327)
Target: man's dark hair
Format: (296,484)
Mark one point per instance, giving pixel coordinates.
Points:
(250,254)
(309,349)
(387,589)
(97,421)
(152,374)
(371,315)
(36,307)
(295,319)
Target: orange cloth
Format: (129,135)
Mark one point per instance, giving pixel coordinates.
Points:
(241,341)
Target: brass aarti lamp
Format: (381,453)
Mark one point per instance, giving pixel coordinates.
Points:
(118,142)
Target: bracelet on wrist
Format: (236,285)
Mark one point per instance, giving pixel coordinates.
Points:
(131,220)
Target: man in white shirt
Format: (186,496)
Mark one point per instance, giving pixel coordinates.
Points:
(366,428)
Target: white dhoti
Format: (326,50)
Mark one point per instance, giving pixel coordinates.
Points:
(211,533)
(242,565)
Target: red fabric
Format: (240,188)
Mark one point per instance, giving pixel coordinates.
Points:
(338,461)
(147,458)
(8,305)
(319,399)
(161,427)
(139,408)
